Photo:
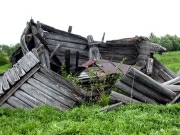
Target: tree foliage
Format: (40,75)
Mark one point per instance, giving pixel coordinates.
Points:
(3,58)
(172,43)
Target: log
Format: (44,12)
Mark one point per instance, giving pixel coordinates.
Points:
(47,57)
(146,80)
(161,66)
(172,81)
(122,98)
(66,102)
(1,86)
(66,38)
(32,102)
(133,92)
(17,103)
(164,75)
(77,60)
(58,47)
(150,63)
(5,83)
(19,71)
(175,99)
(111,107)
(175,88)
(44,98)
(144,89)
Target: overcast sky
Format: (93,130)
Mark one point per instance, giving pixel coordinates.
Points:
(118,18)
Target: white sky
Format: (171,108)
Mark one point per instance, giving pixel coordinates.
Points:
(118,18)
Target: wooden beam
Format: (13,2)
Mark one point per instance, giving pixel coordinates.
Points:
(176,98)
(111,107)
(67,61)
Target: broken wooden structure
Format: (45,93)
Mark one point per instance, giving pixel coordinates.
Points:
(35,76)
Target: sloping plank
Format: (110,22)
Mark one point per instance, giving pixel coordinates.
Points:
(51,92)
(56,86)
(27,99)
(5,83)
(17,85)
(44,98)
(19,71)
(17,103)
(1,86)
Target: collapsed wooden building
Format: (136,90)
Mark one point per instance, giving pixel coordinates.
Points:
(35,76)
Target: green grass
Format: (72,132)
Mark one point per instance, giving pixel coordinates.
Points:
(5,68)
(171,60)
(127,120)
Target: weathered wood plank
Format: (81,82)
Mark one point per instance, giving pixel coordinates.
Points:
(19,71)
(34,51)
(60,37)
(122,98)
(144,89)
(5,83)
(23,65)
(137,75)
(176,98)
(111,107)
(1,86)
(56,86)
(54,52)
(44,98)
(67,61)
(47,57)
(32,102)
(133,92)
(14,74)
(9,77)
(164,75)
(175,88)
(6,105)
(69,29)
(51,92)
(172,81)
(54,43)
(17,103)
(17,85)
(30,56)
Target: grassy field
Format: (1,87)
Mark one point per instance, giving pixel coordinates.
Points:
(149,119)
(171,60)
(5,67)
(127,120)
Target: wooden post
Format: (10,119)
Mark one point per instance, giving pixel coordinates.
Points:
(70,29)
(67,61)
(77,60)
(136,74)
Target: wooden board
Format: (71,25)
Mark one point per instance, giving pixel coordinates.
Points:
(1,86)
(5,83)
(19,71)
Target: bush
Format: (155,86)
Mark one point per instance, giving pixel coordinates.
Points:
(3,58)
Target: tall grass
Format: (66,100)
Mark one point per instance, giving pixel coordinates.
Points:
(4,68)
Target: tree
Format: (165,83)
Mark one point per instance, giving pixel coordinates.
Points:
(166,42)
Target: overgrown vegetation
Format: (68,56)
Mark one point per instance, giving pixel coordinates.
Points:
(130,119)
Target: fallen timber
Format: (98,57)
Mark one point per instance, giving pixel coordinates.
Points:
(35,78)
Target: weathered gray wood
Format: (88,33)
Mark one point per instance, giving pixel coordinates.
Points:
(164,75)
(144,89)
(17,103)
(66,44)
(175,88)
(6,105)
(44,98)
(23,65)
(1,86)
(34,32)
(70,29)
(32,102)
(150,66)
(34,51)
(176,98)
(54,85)
(19,71)
(172,81)
(14,75)
(61,37)
(133,92)
(9,77)
(137,75)
(51,92)
(166,69)
(17,85)
(5,83)
(67,61)
(32,58)
(28,38)
(46,54)
(111,107)
(56,50)
(114,96)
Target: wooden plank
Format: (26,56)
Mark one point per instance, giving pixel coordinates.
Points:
(144,89)
(172,81)
(17,103)
(5,83)
(9,77)
(164,75)
(32,102)
(34,51)
(46,54)
(54,43)
(115,96)
(175,88)
(69,29)
(134,92)
(1,86)
(166,69)
(17,85)
(56,50)
(67,61)
(52,93)
(32,58)
(146,80)
(23,65)
(44,98)
(111,107)
(54,85)
(60,37)
(28,62)
(14,74)
(19,71)
(6,105)
(176,98)
(77,60)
